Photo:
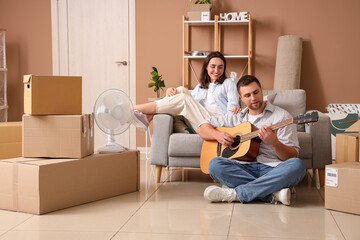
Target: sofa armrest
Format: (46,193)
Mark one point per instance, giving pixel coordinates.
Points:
(321,141)
(162,129)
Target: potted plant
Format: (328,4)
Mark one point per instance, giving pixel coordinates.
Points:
(202,2)
(157,83)
(200,10)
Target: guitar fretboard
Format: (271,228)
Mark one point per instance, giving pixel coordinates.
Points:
(254,134)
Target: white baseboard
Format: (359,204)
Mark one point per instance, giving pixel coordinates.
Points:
(143,150)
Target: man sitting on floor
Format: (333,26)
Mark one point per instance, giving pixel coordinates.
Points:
(276,168)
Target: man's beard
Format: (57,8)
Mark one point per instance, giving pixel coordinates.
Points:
(256,108)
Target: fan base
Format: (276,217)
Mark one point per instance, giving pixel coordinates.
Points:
(112,148)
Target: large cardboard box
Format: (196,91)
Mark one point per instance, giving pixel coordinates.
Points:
(45,95)
(195,10)
(58,136)
(10,140)
(37,186)
(341,187)
(347,147)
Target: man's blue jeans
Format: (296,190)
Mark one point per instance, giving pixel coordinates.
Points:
(256,181)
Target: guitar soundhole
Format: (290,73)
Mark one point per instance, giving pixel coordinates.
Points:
(236,141)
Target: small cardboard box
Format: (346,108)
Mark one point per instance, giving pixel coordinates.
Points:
(45,95)
(10,140)
(58,136)
(194,12)
(347,147)
(341,187)
(37,186)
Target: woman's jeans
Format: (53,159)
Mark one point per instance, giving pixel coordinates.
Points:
(256,181)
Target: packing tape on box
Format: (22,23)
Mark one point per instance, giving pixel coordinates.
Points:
(92,124)
(88,128)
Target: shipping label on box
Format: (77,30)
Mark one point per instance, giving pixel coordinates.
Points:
(341,183)
(35,185)
(10,140)
(58,136)
(347,147)
(45,95)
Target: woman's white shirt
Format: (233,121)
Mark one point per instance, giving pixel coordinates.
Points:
(209,102)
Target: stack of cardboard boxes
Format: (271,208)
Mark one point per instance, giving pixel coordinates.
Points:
(58,168)
(343,178)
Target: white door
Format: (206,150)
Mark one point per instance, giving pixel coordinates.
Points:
(95,39)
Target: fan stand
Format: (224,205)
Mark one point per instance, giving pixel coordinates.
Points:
(111,146)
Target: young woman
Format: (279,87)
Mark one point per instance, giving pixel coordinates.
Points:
(214,95)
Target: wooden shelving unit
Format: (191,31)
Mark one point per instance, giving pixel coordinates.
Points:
(186,62)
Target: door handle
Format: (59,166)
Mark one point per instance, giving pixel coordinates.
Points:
(121,62)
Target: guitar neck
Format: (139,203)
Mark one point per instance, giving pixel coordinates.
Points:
(254,134)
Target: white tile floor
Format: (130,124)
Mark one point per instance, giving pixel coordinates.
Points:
(177,210)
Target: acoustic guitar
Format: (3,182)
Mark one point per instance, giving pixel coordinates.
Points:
(246,141)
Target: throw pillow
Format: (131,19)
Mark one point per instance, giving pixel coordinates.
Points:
(181,125)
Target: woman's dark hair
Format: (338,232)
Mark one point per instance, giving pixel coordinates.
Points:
(204,77)
(246,80)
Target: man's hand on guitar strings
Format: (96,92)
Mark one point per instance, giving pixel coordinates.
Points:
(268,135)
(224,138)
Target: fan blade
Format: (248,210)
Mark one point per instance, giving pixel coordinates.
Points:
(108,121)
(121,112)
(112,100)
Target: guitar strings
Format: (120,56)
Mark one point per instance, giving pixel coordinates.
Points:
(254,134)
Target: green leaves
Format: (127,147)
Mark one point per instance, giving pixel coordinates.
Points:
(202,1)
(157,83)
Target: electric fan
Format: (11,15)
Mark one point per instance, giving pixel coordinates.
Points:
(113,114)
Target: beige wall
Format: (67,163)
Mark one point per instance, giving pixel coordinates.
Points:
(28,46)
(331,51)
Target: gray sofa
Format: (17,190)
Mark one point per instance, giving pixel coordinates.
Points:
(183,150)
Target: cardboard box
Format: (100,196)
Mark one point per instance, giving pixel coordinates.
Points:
(58,136)
(354,127)
(340,123)
(37,186)
(45,95)
(341,187)
(347,147)
(10,140)
(194,12)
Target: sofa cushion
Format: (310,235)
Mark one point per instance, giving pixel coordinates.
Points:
(293,101)
(182,144)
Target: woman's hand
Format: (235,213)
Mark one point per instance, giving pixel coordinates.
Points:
(171,92)
(236,110)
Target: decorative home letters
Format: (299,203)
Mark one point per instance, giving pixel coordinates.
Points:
(234,16)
